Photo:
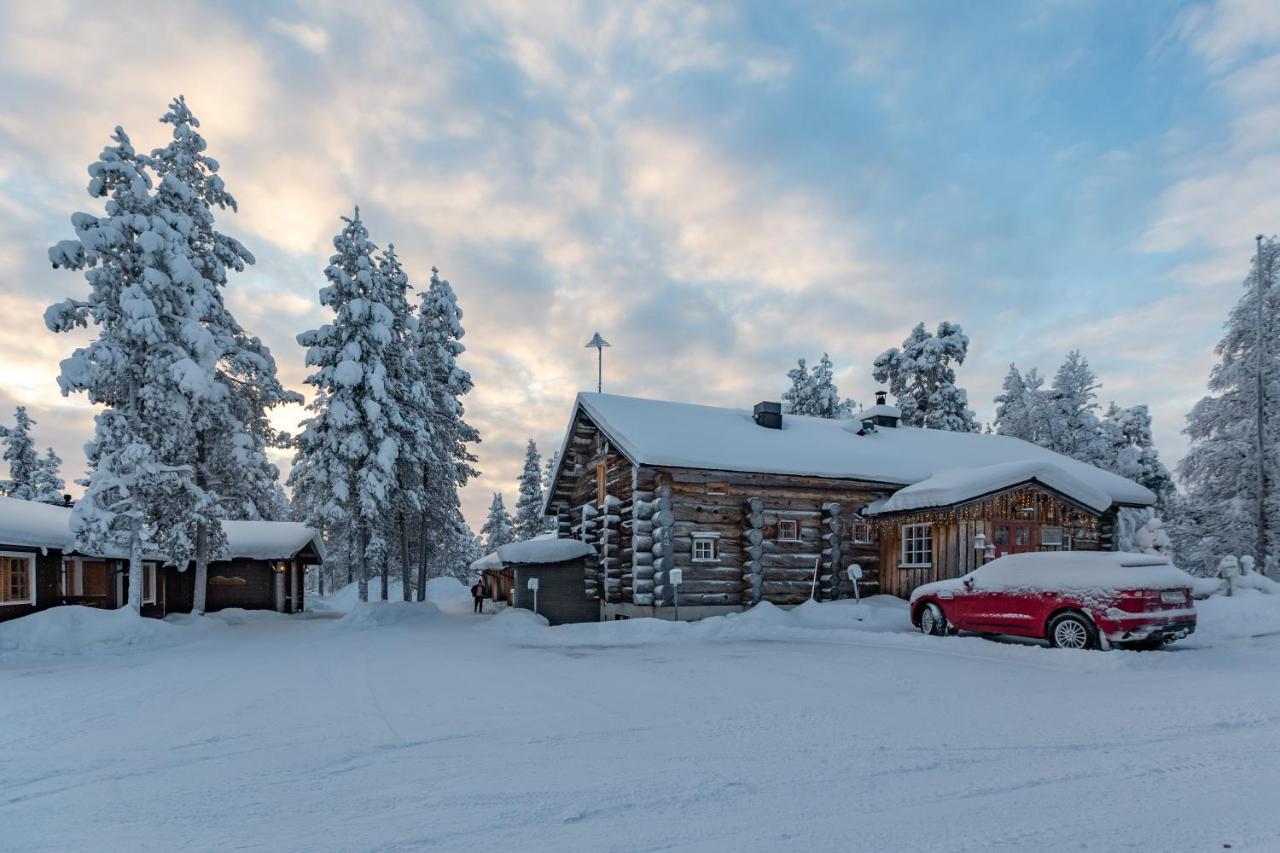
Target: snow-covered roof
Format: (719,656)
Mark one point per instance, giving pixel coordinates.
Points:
(958,485)
(685,435)
(880,410)
(540,549)
(37,525)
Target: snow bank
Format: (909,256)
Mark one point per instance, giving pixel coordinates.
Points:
(1069,570)
(449,595)
(74,630)
(381,614)
(1248,614)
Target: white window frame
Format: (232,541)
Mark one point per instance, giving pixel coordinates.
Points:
(867,538)
(30,600)
(795,530)
(151,569)
(72,577)
(711,541)
(911,533)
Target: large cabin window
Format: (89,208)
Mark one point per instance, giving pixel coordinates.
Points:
(704,548)
(917,546)
(17,578)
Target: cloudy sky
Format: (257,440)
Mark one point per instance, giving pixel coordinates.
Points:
(719,189)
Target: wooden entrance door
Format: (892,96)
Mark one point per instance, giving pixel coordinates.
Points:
(1015,537)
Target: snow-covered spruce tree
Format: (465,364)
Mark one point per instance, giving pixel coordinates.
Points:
(813,391)
(48,484)
(529,521)
(348,451)
(408,384)
(20,453)
(549,471)
(1126,447)
(497,530)
(449,465)
(1220,471)
(141,494)
(1020,406)
(922,380)
(797,400)
(230,378)
(1071,411)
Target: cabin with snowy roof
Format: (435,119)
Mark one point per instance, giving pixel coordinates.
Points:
(761,505)
(40,567)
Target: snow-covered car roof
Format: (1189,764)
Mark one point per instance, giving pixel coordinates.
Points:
(685,435)
(540,549)
(1069,570)
(37,525)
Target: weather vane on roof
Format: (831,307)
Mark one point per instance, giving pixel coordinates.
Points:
(599,343)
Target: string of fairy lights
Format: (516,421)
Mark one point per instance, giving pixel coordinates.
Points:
(1025,504)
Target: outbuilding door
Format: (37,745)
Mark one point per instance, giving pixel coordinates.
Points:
(1015,537)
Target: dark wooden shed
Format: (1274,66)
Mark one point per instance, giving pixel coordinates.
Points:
(556,564)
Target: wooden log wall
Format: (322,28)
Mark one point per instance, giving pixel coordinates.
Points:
(743,511)
(643,507)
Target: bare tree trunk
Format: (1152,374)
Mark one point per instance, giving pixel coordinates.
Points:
(405,572)
(362,545)
(135,571)
(424,553)
(198,598)
(352,553)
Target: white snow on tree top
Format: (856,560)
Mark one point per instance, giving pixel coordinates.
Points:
(36,525)
(685,435)
(958,485)
(540,549)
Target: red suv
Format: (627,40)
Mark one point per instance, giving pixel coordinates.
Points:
(1073,599)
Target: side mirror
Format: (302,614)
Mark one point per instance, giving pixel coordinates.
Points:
(968,583)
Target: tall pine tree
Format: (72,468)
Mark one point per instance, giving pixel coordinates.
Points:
(1220,471)
(345,467)
(230,378)
(449,465)
(141,494)
(922,379)
(497,529)
(529,521)
(20,453)
(47,485)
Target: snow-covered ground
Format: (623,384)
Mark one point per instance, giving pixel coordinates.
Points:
(832,727)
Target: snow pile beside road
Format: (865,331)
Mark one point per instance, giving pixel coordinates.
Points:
(1248,614)
(449,595)
(75,630)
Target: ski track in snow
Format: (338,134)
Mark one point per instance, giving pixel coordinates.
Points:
(453,732)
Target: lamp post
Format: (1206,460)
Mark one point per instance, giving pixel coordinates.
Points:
(676,577)
(599,343)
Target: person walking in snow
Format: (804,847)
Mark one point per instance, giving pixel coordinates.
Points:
(477,593)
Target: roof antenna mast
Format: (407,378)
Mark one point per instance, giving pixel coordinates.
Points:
(599,343)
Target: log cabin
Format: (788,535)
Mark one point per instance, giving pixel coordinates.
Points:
(757,505)
(262,569)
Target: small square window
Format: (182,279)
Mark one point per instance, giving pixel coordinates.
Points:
(863,534)
(704,549)
(788,531)
(717,489)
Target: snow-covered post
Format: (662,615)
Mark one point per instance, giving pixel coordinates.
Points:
(1229,570)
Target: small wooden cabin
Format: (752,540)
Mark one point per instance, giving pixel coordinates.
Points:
(559,566)
(40,568)
(764,506)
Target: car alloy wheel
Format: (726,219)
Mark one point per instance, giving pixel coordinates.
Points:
(1071,632)
(932,621)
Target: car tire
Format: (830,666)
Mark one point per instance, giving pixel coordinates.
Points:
(1072,631)
(932,620)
